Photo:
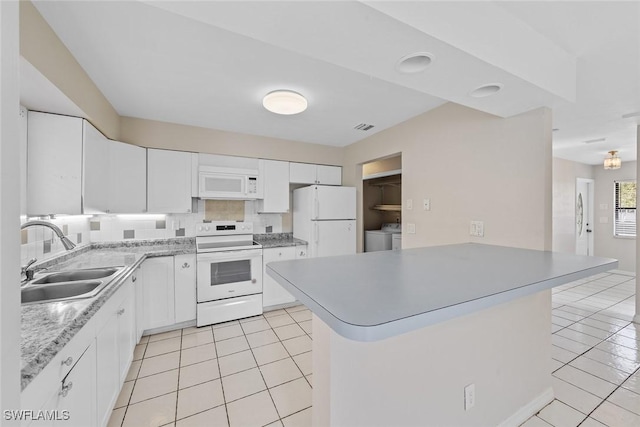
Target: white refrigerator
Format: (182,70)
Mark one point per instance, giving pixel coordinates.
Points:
(325,217)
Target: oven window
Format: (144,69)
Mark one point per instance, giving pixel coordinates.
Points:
(230,272)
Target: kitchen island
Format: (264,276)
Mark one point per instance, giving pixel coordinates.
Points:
(399,335)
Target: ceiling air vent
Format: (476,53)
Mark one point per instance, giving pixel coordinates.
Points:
(363,126)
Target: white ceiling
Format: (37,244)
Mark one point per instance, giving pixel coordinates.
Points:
(210,63)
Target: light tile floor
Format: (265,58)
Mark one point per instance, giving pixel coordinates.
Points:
(252,372)
(257,371)
(595,355)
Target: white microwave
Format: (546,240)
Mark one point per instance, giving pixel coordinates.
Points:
(227,183)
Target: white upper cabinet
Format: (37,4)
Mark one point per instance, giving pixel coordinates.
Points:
(54,158)
(127,178)
(275,180)
(96,167)
(329,175)
(307,173)
(168,181)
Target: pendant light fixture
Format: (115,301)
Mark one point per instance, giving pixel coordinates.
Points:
(613,161)
(285,102)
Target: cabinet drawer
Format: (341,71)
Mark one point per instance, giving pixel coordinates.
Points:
(279,254)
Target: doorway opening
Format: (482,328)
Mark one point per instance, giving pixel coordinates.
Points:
(382,204)
(584,216)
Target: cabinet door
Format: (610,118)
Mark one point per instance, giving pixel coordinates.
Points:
(302,173)
(95,171)
(158,292)
(77,394)
(138,285)
(107,368)
(329,175)
(127,178)
(272,292)
(276,187)
(126,330)
(168,181)
(185,287)
(54,157)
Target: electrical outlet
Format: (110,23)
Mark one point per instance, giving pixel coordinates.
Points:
(426,204)
(469,396)
(411,228)
(409,204)
(477,228)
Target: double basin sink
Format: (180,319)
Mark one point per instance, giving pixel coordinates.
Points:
(69,285)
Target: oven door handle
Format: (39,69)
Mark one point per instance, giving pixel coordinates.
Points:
(224,256)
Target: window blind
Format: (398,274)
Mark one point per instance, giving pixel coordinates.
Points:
(625,209)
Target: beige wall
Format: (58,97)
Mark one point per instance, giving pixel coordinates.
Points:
(418,378)
(149,133)
(45,51)
(565,173)
(620,248)
(472,166)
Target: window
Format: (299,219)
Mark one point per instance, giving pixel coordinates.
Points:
(624,224)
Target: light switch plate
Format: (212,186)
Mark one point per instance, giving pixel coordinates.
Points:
(426,204)
(411,228)
(477,228)
(409,204)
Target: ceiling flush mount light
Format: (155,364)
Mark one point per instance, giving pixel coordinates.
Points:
(613,161)
(414,62)
(285,102)
(630,115)
(486,90)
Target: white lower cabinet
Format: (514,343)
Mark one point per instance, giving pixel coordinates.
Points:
(158,292)
(272,292)
(185,287)
(74,401)
(115,342)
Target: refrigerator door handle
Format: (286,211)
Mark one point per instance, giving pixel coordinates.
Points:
(317,232)
(316,208)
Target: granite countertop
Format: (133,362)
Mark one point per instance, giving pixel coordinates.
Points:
(47,327)
(375,295)
(277,240)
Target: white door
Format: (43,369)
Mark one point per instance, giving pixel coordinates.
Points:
(332,238)
(334,203)
(584,216)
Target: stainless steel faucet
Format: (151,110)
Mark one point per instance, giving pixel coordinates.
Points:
(26,270)
(68,244)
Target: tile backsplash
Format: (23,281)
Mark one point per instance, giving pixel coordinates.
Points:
(41,243)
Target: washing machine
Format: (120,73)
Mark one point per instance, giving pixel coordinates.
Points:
(381,240)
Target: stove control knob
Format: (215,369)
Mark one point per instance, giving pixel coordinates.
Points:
(206,228)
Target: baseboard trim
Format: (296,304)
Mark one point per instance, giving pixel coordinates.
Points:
(529,410)
(623,272)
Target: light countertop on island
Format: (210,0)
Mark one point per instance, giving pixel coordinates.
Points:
(376,295)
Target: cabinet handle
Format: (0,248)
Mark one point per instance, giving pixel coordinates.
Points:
(65,389)
(121,312)
(186,265)
(68,361)
(253,280)
(134,278)
(279,253)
